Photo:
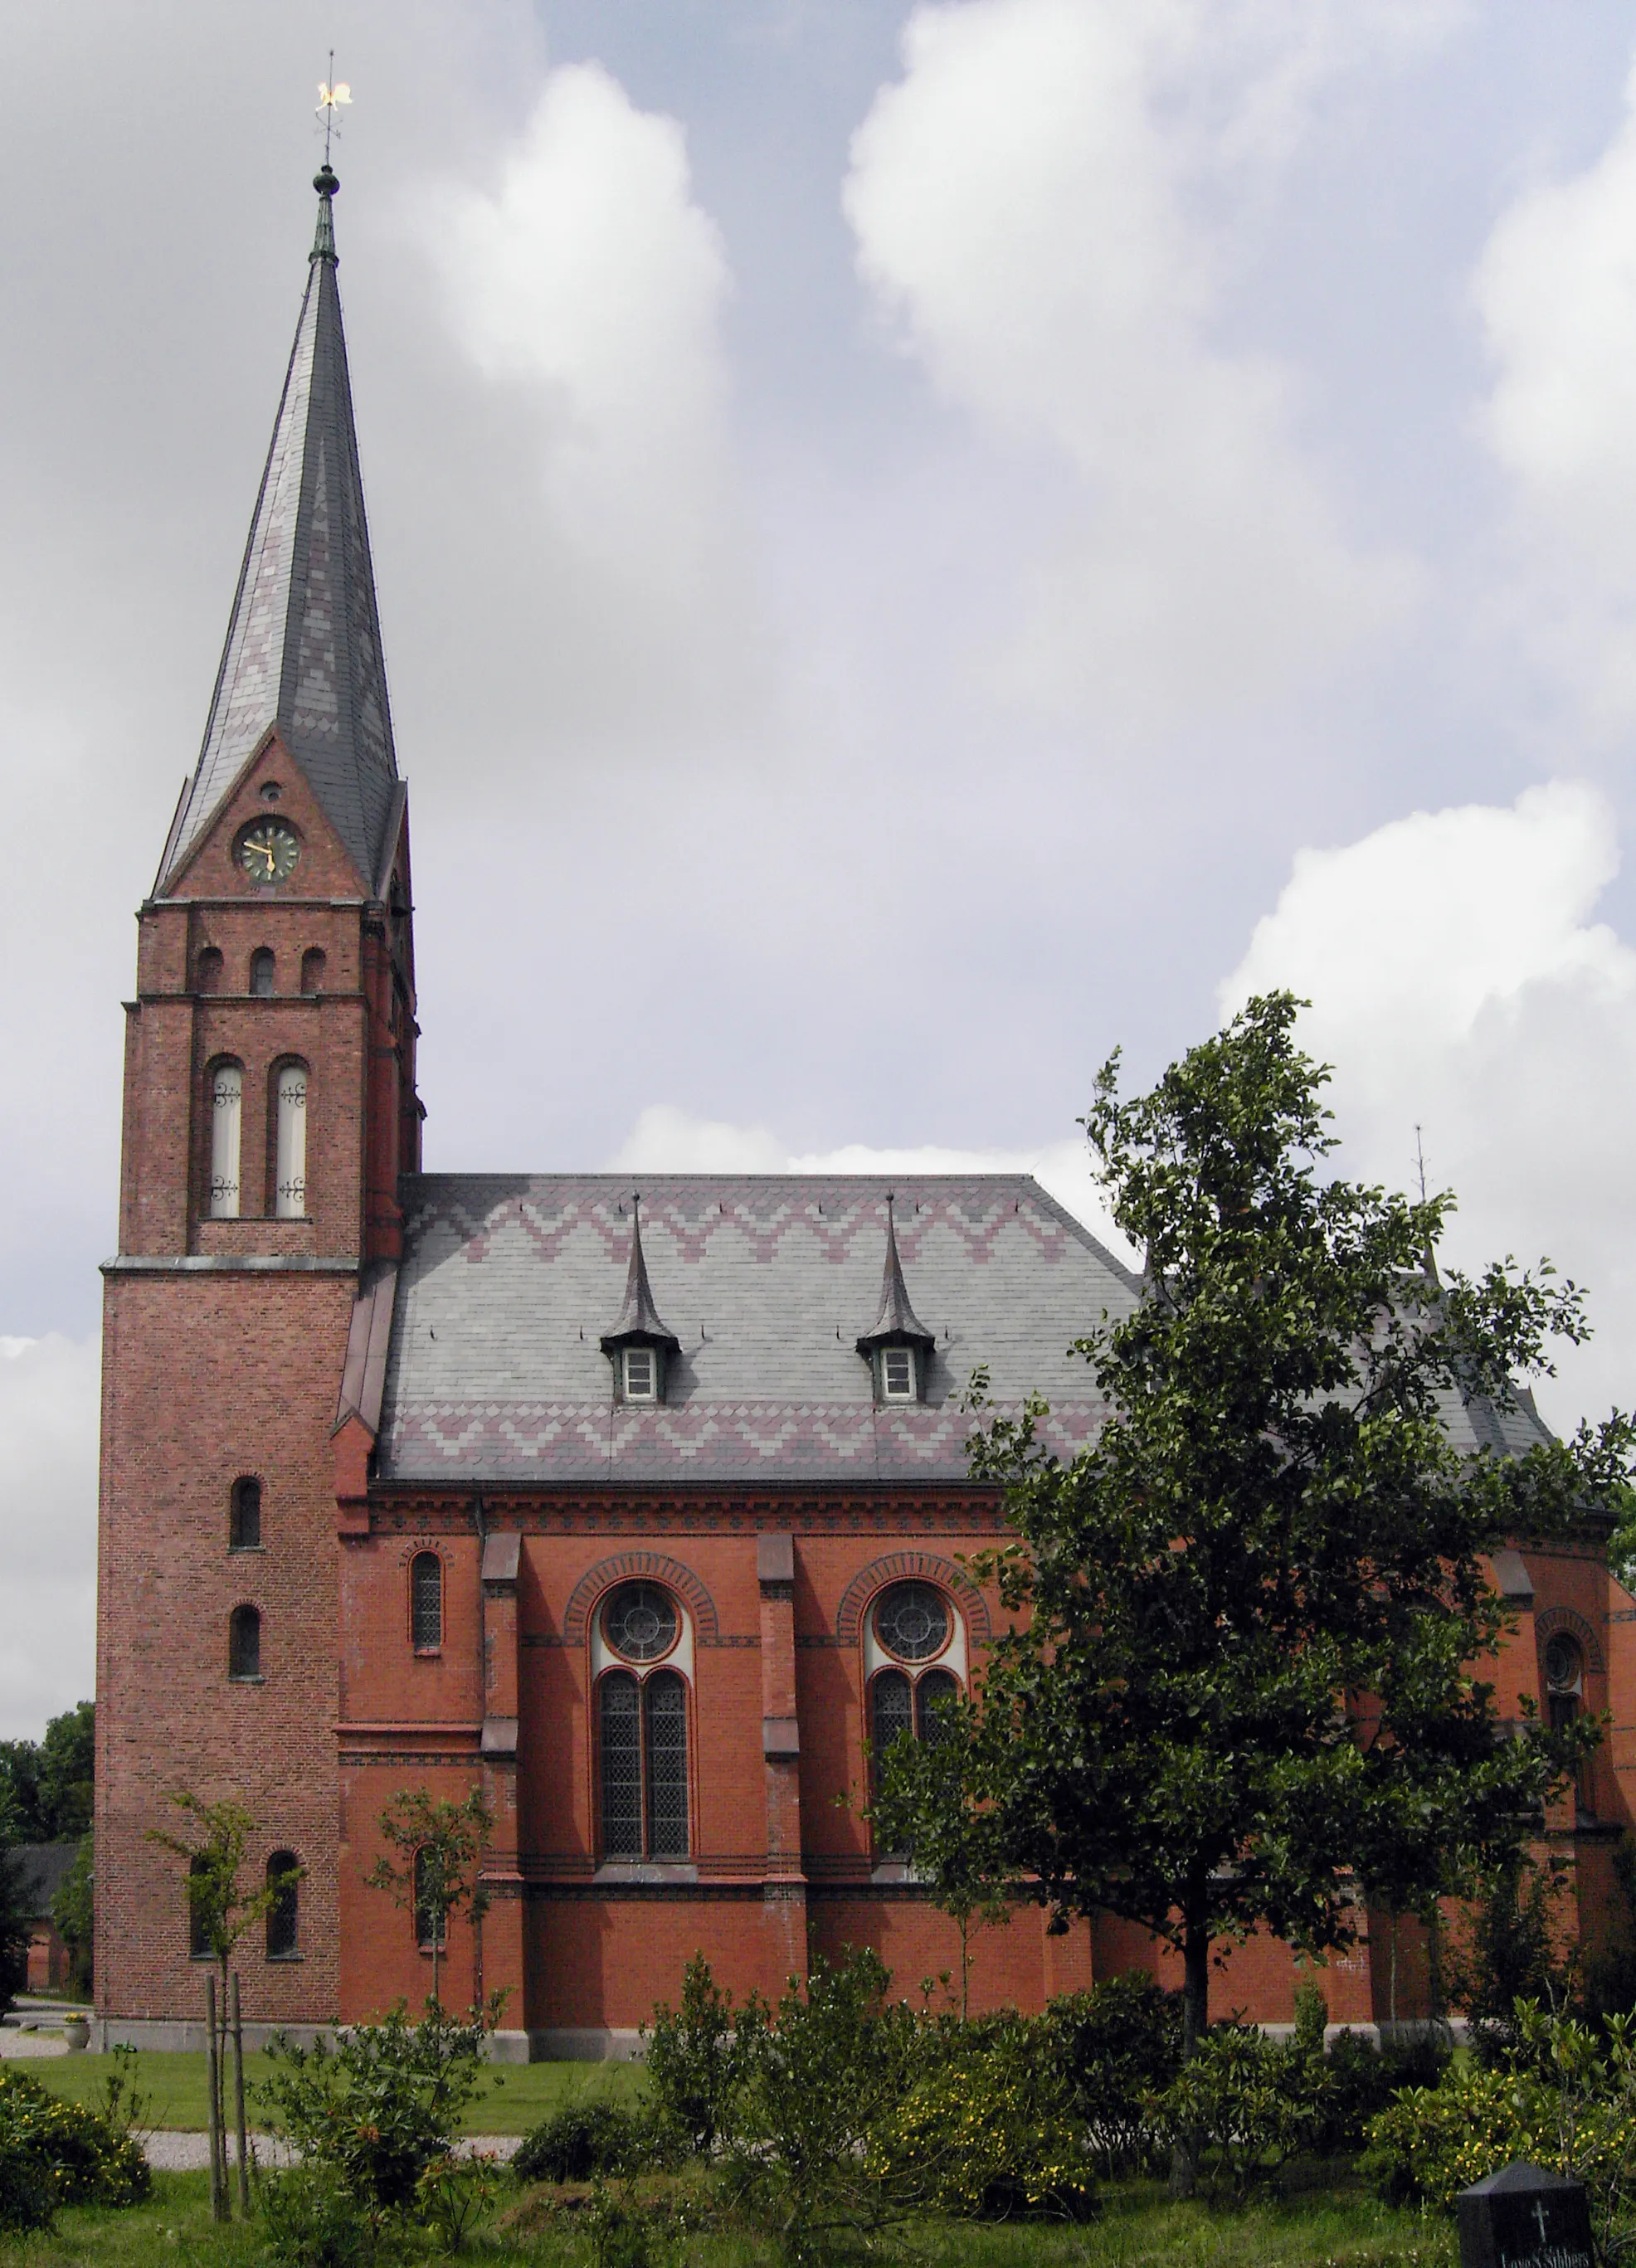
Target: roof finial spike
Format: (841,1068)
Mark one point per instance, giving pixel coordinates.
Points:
(331,95)
(896,1324)
(640,1323)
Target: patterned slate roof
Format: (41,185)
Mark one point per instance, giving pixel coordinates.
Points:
(303,650)
(507,1282)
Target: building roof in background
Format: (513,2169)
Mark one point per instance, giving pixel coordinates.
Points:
(40,1869)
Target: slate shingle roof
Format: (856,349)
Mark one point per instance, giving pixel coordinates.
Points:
(303,650)
(495,1370)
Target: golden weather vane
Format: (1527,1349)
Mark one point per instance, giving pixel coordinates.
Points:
(332,93)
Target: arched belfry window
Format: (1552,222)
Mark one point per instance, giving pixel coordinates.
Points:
(244,1645)
(290,1142)
(262,967)
(284,1909)
(244,1517)
(426,1602)
(312,970)
(226,1132)
(642,1726)
(207,972)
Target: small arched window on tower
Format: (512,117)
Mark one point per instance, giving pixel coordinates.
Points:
(426,1602)
(261,968)
(290,1142)
(227,1124)
(312,970)
(284,1906)
(244,1518)
(207,969)
(243,1646)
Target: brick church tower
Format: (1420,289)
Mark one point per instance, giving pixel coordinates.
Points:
(269,1109)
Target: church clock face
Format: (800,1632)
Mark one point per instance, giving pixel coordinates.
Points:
(268,850)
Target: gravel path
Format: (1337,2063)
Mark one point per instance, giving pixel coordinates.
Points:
(178,2152)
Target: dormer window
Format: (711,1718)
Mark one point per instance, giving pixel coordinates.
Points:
(899,1347)
(898,1382)
(638,1346)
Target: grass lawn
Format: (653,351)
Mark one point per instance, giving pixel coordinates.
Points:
(1321,2228)
(513,2096)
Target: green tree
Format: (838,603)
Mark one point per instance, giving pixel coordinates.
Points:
(47,1786)
(212,1845)
(436,1870)
(1247,1685)
(73,1910)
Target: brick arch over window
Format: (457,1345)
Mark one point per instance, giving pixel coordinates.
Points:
(1553,1619)
(657,1569)
(901,1566)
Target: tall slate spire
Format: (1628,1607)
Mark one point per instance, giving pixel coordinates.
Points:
(303,650)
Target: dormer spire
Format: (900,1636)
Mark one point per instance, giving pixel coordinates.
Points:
(303,655)
(640,1323)
(896,1324)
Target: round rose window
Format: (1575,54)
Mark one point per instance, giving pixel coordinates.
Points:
(639,1621)
(911,1622)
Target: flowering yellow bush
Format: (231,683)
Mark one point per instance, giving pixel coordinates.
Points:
(983,2136)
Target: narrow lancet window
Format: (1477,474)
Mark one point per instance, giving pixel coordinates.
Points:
(426,1602)
(283,1911)
(244,1645)
(262,967)
(289,1170)
(244,1525)
(226,1121)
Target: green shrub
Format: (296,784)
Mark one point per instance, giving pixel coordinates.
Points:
(1113,2048)
(697,2064)
(314,2219)
(1244,2103)
(989,2135)
(585,2139)
(53,2153)
(379,2107)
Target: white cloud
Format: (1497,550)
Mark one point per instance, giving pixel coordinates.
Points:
(1045,202)
(667,1140)
(1460,984)
(589,285)
(1555,290)
(48,1432)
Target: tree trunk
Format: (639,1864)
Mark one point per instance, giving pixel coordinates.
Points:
(1195,2023)
(218,2185)
(239,2123)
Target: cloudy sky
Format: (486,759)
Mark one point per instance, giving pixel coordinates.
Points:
(915,543)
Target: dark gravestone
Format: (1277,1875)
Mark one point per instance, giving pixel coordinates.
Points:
(1523,2216)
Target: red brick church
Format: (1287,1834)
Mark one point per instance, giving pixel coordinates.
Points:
(641,1511)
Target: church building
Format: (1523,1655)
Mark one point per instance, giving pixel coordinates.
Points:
(640,1507)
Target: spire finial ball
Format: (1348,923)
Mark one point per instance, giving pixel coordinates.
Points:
(326,180)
